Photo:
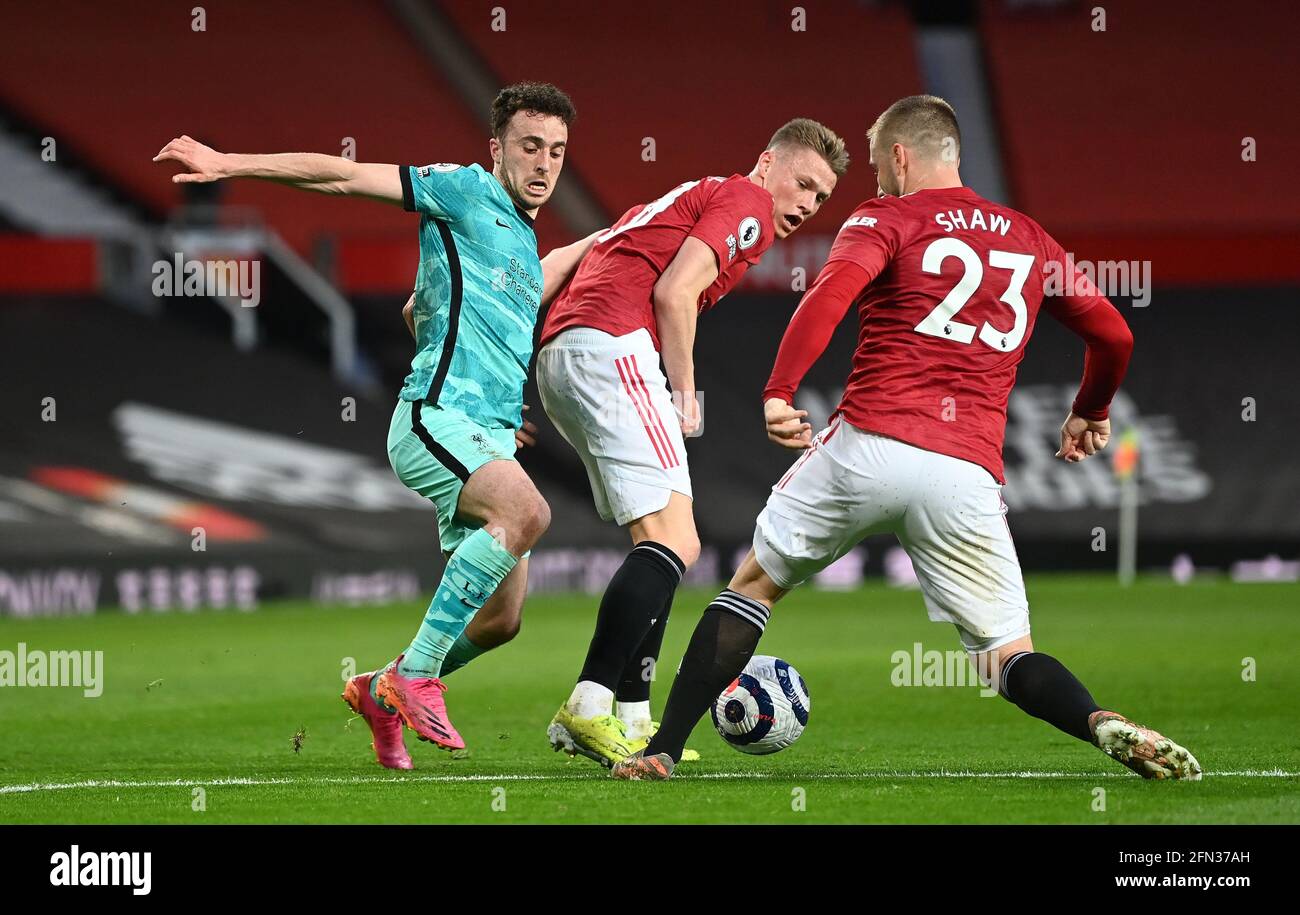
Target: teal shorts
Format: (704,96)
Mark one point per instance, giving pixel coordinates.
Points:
(433,451)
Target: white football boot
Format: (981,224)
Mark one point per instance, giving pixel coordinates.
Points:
(1148,753)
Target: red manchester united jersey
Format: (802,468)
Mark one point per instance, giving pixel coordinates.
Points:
(948,286)
(612,289)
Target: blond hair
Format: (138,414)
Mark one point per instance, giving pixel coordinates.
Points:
(817,137)
(924,123)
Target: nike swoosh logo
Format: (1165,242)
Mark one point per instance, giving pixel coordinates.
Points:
(504,225)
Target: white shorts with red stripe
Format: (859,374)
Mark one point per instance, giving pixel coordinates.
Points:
(608,398)
(947,513)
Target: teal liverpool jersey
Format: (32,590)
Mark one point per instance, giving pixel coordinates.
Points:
(477,293)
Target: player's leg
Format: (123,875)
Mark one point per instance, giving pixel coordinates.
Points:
(673,527)
(632,695)
(490,514)
(723,642)
(494,625)
(498,517)
(360,691)
(1043,687)
(956,533)
(503,515)
(814,515)
(638,598)
(961,547)
(608,398)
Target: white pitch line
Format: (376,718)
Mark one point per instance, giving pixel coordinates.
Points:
(243,781)
(885,776)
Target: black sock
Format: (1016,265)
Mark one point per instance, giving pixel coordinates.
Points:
(1044,688)
(722,644)
(633,601)
(637,675)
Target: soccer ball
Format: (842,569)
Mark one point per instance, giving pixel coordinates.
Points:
(765,709)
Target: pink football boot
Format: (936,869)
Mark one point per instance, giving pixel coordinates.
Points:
(419,703)
(385,727)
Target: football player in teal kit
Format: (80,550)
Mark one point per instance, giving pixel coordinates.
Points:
(452,439)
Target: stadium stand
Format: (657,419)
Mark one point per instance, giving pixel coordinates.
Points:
(350,73)
(684,74)
(1092,122)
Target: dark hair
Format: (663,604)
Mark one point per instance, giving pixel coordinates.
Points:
(542,98)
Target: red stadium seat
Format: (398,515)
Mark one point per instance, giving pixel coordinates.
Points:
(686,74)
(1116,139)
(349,71)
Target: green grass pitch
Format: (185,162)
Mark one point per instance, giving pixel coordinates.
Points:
(211,700)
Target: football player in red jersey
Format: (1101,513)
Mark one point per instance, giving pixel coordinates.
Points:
(948,286)
(633,300)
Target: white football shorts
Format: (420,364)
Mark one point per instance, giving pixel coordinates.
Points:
(611,402)
(947,513)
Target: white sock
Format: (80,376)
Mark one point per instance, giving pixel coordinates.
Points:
(590,699)
(636,715)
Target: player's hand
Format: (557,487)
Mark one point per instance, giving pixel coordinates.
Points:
(785,425)
(1082,438)
(201,163)
(526,435)
(687,408)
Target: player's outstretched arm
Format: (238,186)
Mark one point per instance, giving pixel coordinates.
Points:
(677,308)
(309,171)
(560,264)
